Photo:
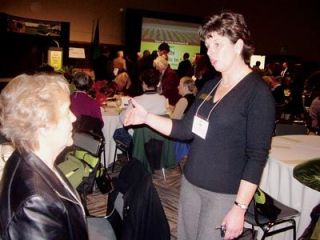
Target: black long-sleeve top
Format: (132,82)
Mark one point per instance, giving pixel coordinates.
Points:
(238,137)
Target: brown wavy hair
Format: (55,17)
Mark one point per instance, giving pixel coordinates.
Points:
(231,25)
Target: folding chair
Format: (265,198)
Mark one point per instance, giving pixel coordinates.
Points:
(81,165)
(266,213)
(123,142)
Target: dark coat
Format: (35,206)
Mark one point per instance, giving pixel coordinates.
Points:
(35,204)
(143,215)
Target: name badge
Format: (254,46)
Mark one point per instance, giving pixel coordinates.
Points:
(200,127)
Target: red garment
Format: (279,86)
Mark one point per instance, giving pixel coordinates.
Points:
(169,83)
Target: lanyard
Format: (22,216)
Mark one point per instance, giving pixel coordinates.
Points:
(206,100)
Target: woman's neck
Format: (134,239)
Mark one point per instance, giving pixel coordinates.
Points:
(46,157)
(149,89)
(235,74)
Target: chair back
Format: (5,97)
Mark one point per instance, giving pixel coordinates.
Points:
(122,138)
(290,128)
(143,135)
(266,212)
(153,149)
(88,124)
(89,142)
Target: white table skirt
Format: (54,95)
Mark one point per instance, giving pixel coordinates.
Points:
(111,123)
(277,179)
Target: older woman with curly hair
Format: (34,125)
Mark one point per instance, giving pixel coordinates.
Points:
(36,200)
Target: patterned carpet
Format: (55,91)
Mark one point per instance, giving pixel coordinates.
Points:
(167,187)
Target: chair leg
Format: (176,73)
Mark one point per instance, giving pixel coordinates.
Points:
(164,174)
(114,159)
(128,158)
(179,164)
(294,230)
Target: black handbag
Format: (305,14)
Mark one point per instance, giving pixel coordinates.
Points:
(104,181)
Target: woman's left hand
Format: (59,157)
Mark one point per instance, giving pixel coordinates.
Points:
(234,222)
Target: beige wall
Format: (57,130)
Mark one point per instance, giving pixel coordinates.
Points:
(275,24)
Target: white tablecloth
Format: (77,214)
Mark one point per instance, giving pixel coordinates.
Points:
(111,121)
(277,179)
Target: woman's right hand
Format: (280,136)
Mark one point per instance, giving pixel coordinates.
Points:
(135,114)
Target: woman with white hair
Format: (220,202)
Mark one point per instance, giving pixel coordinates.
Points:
(169,80)
(36,201)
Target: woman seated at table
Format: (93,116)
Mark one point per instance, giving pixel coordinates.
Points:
(150,99)
(186,90)
(36,201)
(84,107)
(121,85)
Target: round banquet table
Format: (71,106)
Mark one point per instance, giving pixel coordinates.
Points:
(277,179)
(111,121)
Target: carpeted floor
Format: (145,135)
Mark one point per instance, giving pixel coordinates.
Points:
(168,190)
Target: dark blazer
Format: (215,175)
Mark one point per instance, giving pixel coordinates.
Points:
(35,204)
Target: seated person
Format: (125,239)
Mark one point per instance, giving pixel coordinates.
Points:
(314,113)
(82,104)
(122,83)
(150,99)
(186,90)
(119,86)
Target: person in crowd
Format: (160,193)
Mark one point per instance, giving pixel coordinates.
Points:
(163,50)
(203,70)
(296,104)
(276,88)
(314,112)
(285,70)
(230,124)
(103,66)
(81,102)
(187,90)
(151,99)
(285,75)
(119,63)
(36,200)
(185,67)
(122,83)
(145,62)
(256,68)
(169,80)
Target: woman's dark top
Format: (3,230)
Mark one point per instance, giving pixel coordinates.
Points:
(238,137)
(190,98)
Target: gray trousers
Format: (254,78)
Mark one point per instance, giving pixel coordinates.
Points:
(200,212)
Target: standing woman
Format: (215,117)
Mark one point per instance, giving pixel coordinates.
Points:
(231,124)
(36,201)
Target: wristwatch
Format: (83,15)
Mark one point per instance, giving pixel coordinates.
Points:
(242,206)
